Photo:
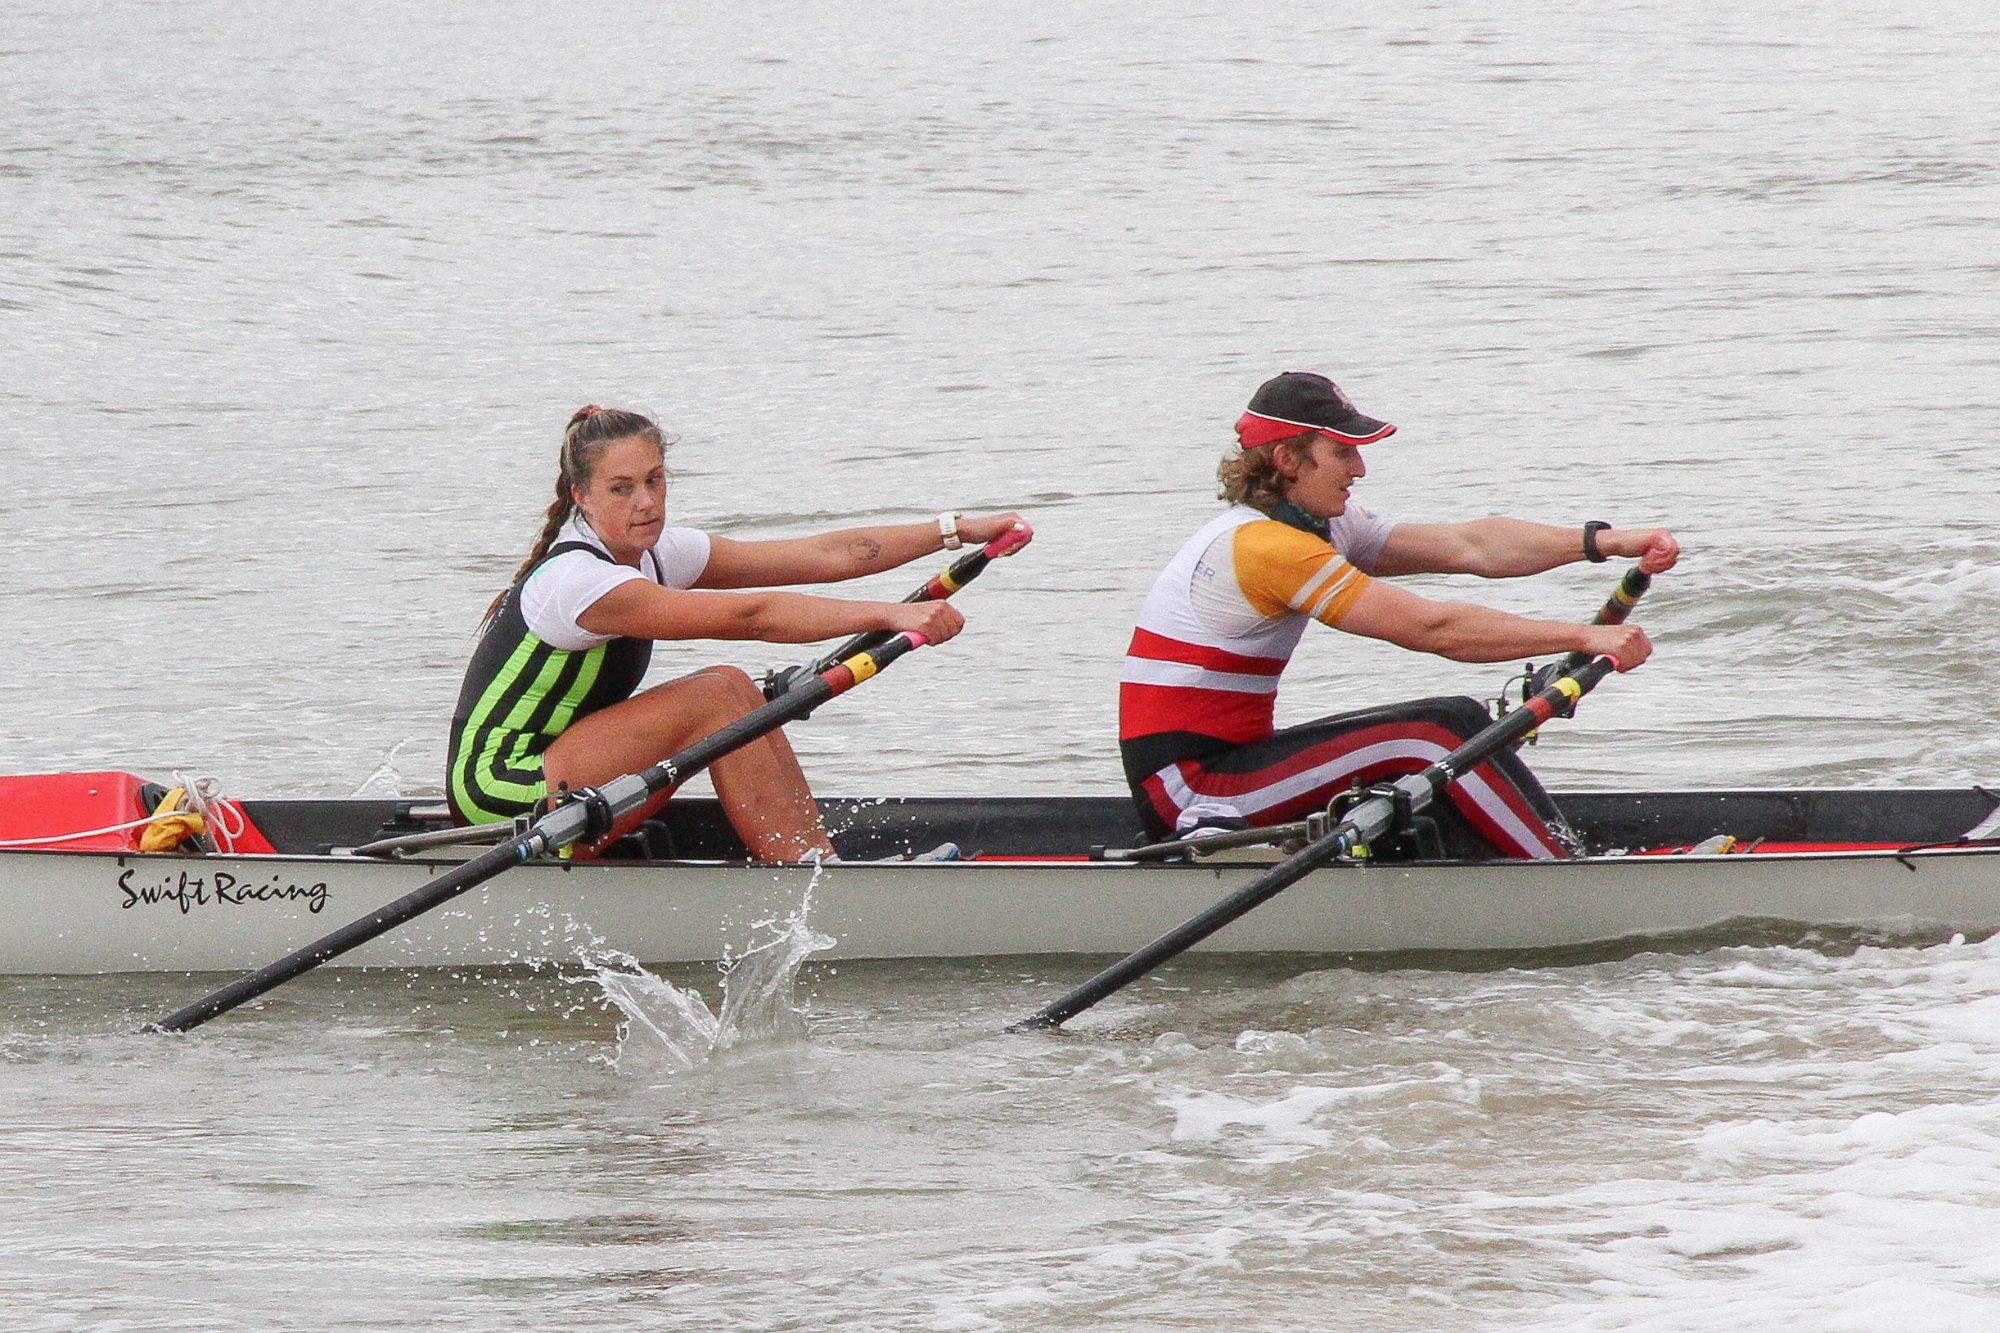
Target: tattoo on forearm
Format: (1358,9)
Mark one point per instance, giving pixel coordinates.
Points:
(866,548)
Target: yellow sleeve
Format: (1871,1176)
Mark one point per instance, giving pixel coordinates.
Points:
(1281,569)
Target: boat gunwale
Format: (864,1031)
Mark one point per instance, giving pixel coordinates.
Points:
(1647,858)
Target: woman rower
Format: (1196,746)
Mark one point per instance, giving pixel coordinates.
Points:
(549,700)
(1221,622)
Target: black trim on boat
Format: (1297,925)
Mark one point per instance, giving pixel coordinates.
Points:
(1068,826)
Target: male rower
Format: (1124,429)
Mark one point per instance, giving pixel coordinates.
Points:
(1201,676)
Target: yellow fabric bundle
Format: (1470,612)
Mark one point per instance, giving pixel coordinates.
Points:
(171,825)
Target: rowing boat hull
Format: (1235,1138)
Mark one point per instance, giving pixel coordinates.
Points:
(99,912)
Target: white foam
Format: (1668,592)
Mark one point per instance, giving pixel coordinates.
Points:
(668,1028)
(1859,1196)
(1294,1122)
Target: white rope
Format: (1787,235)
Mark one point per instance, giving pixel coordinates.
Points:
(73,837)
(204,798)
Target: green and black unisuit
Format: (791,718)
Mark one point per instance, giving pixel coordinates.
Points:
(519,695)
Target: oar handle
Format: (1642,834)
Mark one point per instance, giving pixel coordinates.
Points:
(1616,607)
(589,813)
(1367,821)
(939,587)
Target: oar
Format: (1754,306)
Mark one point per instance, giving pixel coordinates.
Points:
(589,814)
(1616,607)
(941,586)
(1614,611)
(1368,820)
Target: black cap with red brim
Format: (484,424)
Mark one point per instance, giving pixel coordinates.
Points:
(1299,401)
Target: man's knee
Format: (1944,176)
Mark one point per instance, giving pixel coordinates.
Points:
(1459,714)
(1463,714)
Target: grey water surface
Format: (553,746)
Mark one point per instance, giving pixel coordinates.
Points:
(294,303)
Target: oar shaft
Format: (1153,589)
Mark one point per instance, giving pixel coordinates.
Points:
(559,828)
(352,935)
(1366,822)
(1188,934)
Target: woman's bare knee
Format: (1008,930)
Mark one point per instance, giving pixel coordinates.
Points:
(729,688)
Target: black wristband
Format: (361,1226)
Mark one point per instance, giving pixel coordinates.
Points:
(1590,551)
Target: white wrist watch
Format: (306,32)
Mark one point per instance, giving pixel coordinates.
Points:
(948,530)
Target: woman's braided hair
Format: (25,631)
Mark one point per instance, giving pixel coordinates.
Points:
(584,441)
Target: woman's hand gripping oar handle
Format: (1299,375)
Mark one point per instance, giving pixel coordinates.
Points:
(587,815)
(1378,813)
(940,586)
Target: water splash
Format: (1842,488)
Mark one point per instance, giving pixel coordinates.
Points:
(673,1028)
(757,1002)
(670,1028)
(387,781)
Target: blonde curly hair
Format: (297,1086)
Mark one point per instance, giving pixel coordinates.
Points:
(1251,476)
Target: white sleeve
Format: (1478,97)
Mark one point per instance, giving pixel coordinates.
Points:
(1359,535)
(564,588)
(683,554)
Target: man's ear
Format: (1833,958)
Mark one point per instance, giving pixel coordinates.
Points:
(1291,460)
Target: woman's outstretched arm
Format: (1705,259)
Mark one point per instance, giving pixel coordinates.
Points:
(640,609)
(830,557)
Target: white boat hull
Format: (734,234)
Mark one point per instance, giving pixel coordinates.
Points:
(104,912)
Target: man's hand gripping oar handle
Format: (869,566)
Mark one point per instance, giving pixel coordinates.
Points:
(587,815)
(940,587)
(1616,607)
(1614,611)
(1372,817)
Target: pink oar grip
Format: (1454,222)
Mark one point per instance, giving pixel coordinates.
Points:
(1010,541)
(916,640)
